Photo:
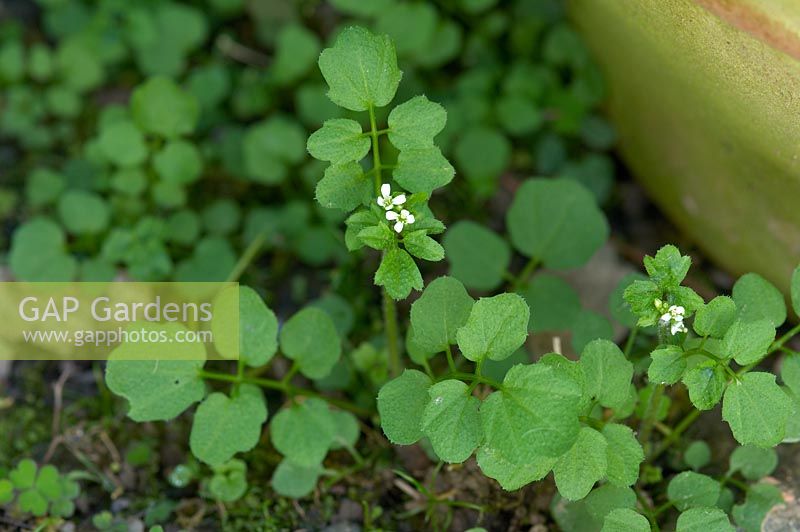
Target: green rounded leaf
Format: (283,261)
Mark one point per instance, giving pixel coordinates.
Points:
(478,257)
(625,520)
(179,162)
(747,342)
(451,421)
(38,253)
(255,336)
(437,315)
(584,464)
(608,373)
(706,383)
(757,410)
(159,106)
(690,490)
(624,455)
(398,273)
(697,454)
(304,432)
(497,326)
(295,481)
(311,340)
(716,317)
(157,390)
(415,123)
(123,143)
(361,69)
(344,186)
(756,299)
(557,222)
(753,462)
(401,405)
(423,169)
(554,304)
(667,366)
(224,426)
(339,141)
(83,213)
(704,520)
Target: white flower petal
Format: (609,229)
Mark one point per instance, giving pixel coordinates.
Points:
(398,227)
(399,200)
(386,190)
(391,215)
(410,219)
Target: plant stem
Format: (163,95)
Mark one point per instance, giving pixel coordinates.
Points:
(777,344)
(389,307)
(376,151)
(450,362)
(474,378)
(526,272)
(392,333)
(650,415)
(684,424)
(285,388)
(247,257)
(631,339)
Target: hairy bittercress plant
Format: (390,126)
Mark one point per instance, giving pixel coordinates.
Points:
(589,421)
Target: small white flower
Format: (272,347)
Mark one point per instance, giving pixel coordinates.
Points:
(386,200)
(673,318)
(401,219)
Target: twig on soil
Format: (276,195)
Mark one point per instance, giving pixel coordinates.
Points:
(241,53)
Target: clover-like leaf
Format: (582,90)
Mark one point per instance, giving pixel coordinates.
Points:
(122,143)
(478,257)
(423,169)
(625,520)
(339,141)
(361,69)
(608,373)
(399,274)
(750,515)
(691,490)
(451,421)
(344,186)
(304,432)
(178,162)
(415,123)
(557,222)
(224,426)
(756,299)
(157,389)
(401,405)
(624,455)
(229,482)
(38,253)
(534,416)
(667,366)
(716,317)
(436,316)
(748,342)
(419,244)
(159,106)
(697,454)
(706,383)
(254,336)
(295,481)
(752,462)
(584,464)
(83,213)
(668,268)
(311,340)
(757,410)
(497,326)
(703,519)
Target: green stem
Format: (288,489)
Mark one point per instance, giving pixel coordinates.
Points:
(285,388)
(676,433)
(650,415)
(777,344)
(631,339)
(376,151)
(392,333)
(474,378)
(648,511)
(525,274)
(247,257)
(450,362)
